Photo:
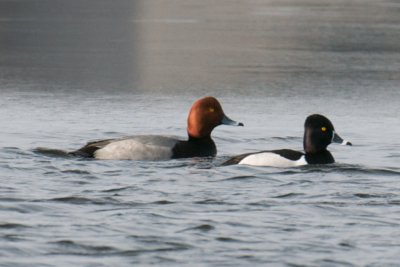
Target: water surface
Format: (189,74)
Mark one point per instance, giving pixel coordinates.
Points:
(270,63)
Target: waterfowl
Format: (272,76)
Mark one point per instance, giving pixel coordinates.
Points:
(204,115)
(319,132)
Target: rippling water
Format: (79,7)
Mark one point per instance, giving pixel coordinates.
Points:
(63,211)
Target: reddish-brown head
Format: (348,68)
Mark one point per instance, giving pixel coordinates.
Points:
(206,114)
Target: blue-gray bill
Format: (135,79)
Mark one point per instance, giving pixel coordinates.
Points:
(337,139)
(228,121)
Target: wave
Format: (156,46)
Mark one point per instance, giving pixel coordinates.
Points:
(201,228)
(82,200)
(74,248)
(241,177)
(328,168)
(352,169)
(12,226)
(287,138)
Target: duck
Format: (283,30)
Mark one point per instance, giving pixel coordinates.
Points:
(319,133)
(205,114)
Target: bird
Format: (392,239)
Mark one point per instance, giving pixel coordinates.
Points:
(205,114)
(319,133)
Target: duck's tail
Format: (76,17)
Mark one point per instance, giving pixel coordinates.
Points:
(50,152)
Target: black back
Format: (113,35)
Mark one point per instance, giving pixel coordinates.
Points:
(289,154)
(237,159)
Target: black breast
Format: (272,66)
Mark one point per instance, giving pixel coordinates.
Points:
(323,157)
(194,147)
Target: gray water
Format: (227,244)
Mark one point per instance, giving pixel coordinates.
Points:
(76,71)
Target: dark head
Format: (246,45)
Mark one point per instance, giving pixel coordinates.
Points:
(319,133)
(206,114)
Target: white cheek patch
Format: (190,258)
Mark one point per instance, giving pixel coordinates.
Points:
(272,160)
(133,150)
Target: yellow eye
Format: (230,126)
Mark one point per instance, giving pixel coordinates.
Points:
(323,129)
(211,109)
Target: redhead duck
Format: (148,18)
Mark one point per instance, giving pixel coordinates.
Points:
(318,134)
(205,114)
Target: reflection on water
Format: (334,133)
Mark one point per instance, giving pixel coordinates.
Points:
(163,46)
(55,44)
(257,45)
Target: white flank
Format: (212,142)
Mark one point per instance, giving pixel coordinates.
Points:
(271,160)
(138,148)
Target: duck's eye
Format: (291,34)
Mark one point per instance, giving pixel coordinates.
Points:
(323,129)
(211,109)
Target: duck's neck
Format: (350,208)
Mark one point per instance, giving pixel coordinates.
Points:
(320,157)
(195,147)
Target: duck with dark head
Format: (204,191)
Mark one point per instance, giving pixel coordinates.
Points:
(319,133)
